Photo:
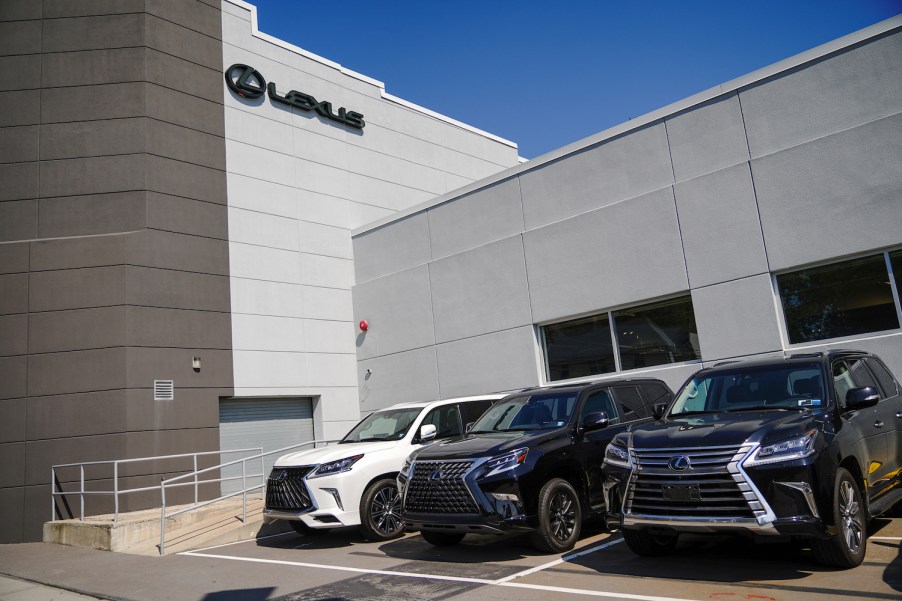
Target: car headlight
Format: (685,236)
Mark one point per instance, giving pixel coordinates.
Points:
(798,447)
(505,462)
(335,467)
(617,455)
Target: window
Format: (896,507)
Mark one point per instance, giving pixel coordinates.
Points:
(657,334)
(582,347)
(644,336)
(883,376)
(473,410)
(631,403)
(600,401)
(446,420)
(843,299)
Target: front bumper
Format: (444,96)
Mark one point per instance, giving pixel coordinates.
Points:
(782,501)
(335,502)
(487,514)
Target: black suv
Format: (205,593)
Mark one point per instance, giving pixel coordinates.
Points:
(807,446)
(531,463)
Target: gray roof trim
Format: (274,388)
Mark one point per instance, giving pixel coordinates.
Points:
(633,124)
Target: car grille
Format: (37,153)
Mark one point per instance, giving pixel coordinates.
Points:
(286,491)
(439,487)
(712,487)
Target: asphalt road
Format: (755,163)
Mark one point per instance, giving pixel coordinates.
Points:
(341,565)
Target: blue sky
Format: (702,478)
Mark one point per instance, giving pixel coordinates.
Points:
(545,74)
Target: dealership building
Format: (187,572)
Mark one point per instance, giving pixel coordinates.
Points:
(195,216)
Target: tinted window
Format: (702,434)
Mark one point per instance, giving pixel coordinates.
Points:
(600,400)
(842,381)
(843,299)
(630,403)
(446,420)
(860,374)
(657,334)
(792,386)
(473,410)
(535,412)
(883,377)
(577,348)
(656,393)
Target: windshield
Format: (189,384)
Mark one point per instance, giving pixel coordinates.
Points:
(535,412)
(392,424)
(778,388)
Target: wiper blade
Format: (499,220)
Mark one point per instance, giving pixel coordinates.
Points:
(519,428)
(762,408)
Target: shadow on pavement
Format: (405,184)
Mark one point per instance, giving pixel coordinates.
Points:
(245,594)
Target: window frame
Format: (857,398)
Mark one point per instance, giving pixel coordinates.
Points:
(781,314)
(542,343)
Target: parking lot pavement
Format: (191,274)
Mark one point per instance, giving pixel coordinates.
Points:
(341,565)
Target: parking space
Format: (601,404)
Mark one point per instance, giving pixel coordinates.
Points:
(487,567)
(341,566)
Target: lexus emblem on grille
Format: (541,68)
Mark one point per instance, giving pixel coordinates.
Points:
(283,475)
(436,475)
(680,463)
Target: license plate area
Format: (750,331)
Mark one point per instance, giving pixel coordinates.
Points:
(685,493)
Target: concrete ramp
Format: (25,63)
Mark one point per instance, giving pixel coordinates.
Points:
(138,532)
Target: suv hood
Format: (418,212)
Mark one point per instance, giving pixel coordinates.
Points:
(723,429)
(333,453)
(473,446)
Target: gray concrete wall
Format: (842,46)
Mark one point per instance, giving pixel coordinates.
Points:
(793,165)
(113,243)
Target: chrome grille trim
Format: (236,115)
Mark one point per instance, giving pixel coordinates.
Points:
(421,497)
(724,491)
(289,492)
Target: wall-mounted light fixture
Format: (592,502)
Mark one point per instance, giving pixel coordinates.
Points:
(366,376)
(195,364)
(364,326)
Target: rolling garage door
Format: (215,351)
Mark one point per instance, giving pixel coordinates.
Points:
(268,423)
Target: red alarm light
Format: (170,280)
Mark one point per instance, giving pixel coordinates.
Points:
(364,326)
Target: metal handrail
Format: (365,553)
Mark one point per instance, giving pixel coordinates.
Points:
(244,487)
(116,490)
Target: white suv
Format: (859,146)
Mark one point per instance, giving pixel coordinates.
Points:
(353,482)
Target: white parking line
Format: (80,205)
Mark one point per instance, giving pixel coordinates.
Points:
(301,564)
(581,591)
(885,538)
(504,582)
(562,559)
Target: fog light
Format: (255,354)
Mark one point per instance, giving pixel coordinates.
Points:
(503,496)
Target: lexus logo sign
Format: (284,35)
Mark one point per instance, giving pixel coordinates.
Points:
(248,83)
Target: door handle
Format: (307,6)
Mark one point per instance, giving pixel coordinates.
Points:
(878,424)
(899,414)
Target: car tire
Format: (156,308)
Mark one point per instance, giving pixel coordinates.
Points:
(847,547)
(649,544)
(302,528)
(380,511)
(442,539)
(560,517)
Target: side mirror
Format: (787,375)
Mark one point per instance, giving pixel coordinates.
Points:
(469,426)
(595,421)
(427,433)
(860,398)
(658,409)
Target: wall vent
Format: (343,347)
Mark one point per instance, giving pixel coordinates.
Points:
(163,390)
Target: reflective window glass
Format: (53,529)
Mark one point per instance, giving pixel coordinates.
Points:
(657,334)
(843,299)
(577,348)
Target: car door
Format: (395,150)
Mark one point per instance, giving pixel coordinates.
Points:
(889,411)
(590,446)
(867,424)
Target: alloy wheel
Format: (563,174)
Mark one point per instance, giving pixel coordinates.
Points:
(386,511)
(850,512)
(563,516)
